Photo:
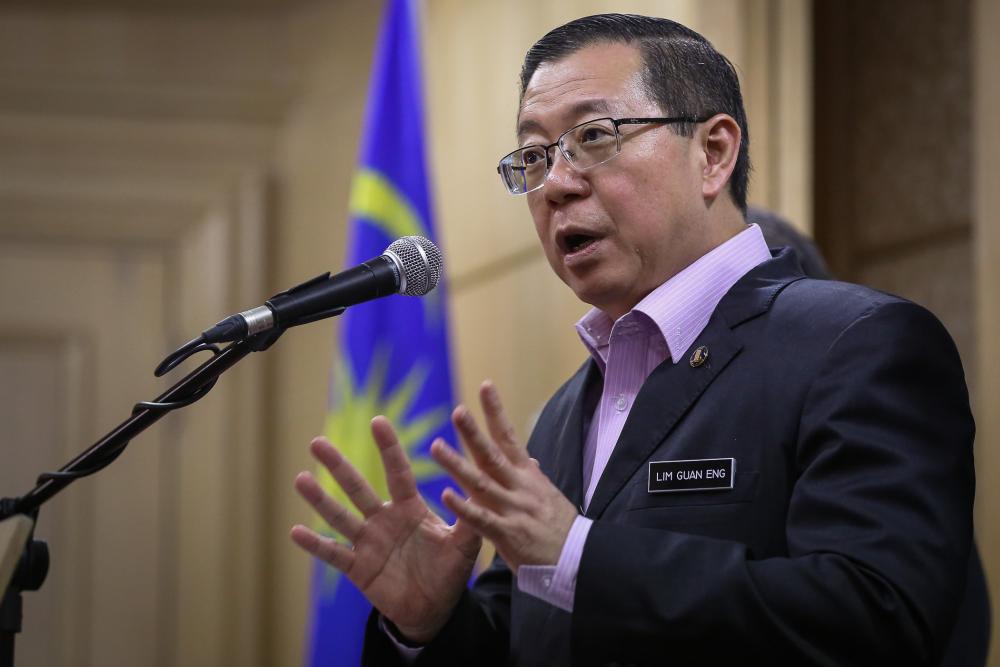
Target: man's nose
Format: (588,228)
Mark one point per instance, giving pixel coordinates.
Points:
(564,181)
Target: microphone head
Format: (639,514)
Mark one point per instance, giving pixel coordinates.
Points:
(419,262)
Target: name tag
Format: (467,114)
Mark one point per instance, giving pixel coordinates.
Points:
(691,475)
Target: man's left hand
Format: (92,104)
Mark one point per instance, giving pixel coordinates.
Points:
(510,500)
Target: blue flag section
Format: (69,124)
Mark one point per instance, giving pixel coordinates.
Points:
(392,353)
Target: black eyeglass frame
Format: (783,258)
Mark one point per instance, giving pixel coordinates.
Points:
(615,122)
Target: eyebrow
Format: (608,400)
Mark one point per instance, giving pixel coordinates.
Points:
(578,109)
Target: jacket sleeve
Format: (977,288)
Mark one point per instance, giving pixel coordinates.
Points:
(878,529)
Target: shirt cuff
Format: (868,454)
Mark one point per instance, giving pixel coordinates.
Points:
(407,653)
(556,584)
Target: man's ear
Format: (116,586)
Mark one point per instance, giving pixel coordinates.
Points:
(720,139)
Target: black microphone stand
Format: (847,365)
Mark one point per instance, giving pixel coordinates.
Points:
(33,565)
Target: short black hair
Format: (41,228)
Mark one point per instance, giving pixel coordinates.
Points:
(683,73)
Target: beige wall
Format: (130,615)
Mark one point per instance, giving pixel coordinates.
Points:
(233,133)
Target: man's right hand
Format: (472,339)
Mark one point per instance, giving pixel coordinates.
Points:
(409,563)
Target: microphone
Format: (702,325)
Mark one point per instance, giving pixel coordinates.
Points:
(411,265)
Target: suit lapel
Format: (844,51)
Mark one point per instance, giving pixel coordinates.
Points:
(667,394)
(671,389)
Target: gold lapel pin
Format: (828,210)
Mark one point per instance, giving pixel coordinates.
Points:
(699,356)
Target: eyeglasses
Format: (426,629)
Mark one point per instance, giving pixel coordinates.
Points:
(584,146)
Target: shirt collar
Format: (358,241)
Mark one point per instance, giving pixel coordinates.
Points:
(681,307)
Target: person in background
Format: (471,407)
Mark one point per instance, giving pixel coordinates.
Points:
(779,233)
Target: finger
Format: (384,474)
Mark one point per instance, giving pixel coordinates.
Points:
(336,515)
(398,473)
(489,457)
(473,481)
(500,427)
(467,540)
(478,518)
(324,548)
(348,478)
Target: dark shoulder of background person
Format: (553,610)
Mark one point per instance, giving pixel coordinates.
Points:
(778,232)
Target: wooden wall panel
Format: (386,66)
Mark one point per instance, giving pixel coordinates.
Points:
(132,257)
(894,166)
(42,404)
(74,283)
(985,254)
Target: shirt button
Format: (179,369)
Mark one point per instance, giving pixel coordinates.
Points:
(621,403)
(547,581)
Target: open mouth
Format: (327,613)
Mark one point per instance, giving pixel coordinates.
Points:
(577,242)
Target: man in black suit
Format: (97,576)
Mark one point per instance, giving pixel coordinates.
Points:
(752,467)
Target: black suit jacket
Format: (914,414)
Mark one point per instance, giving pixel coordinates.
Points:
(846,537)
